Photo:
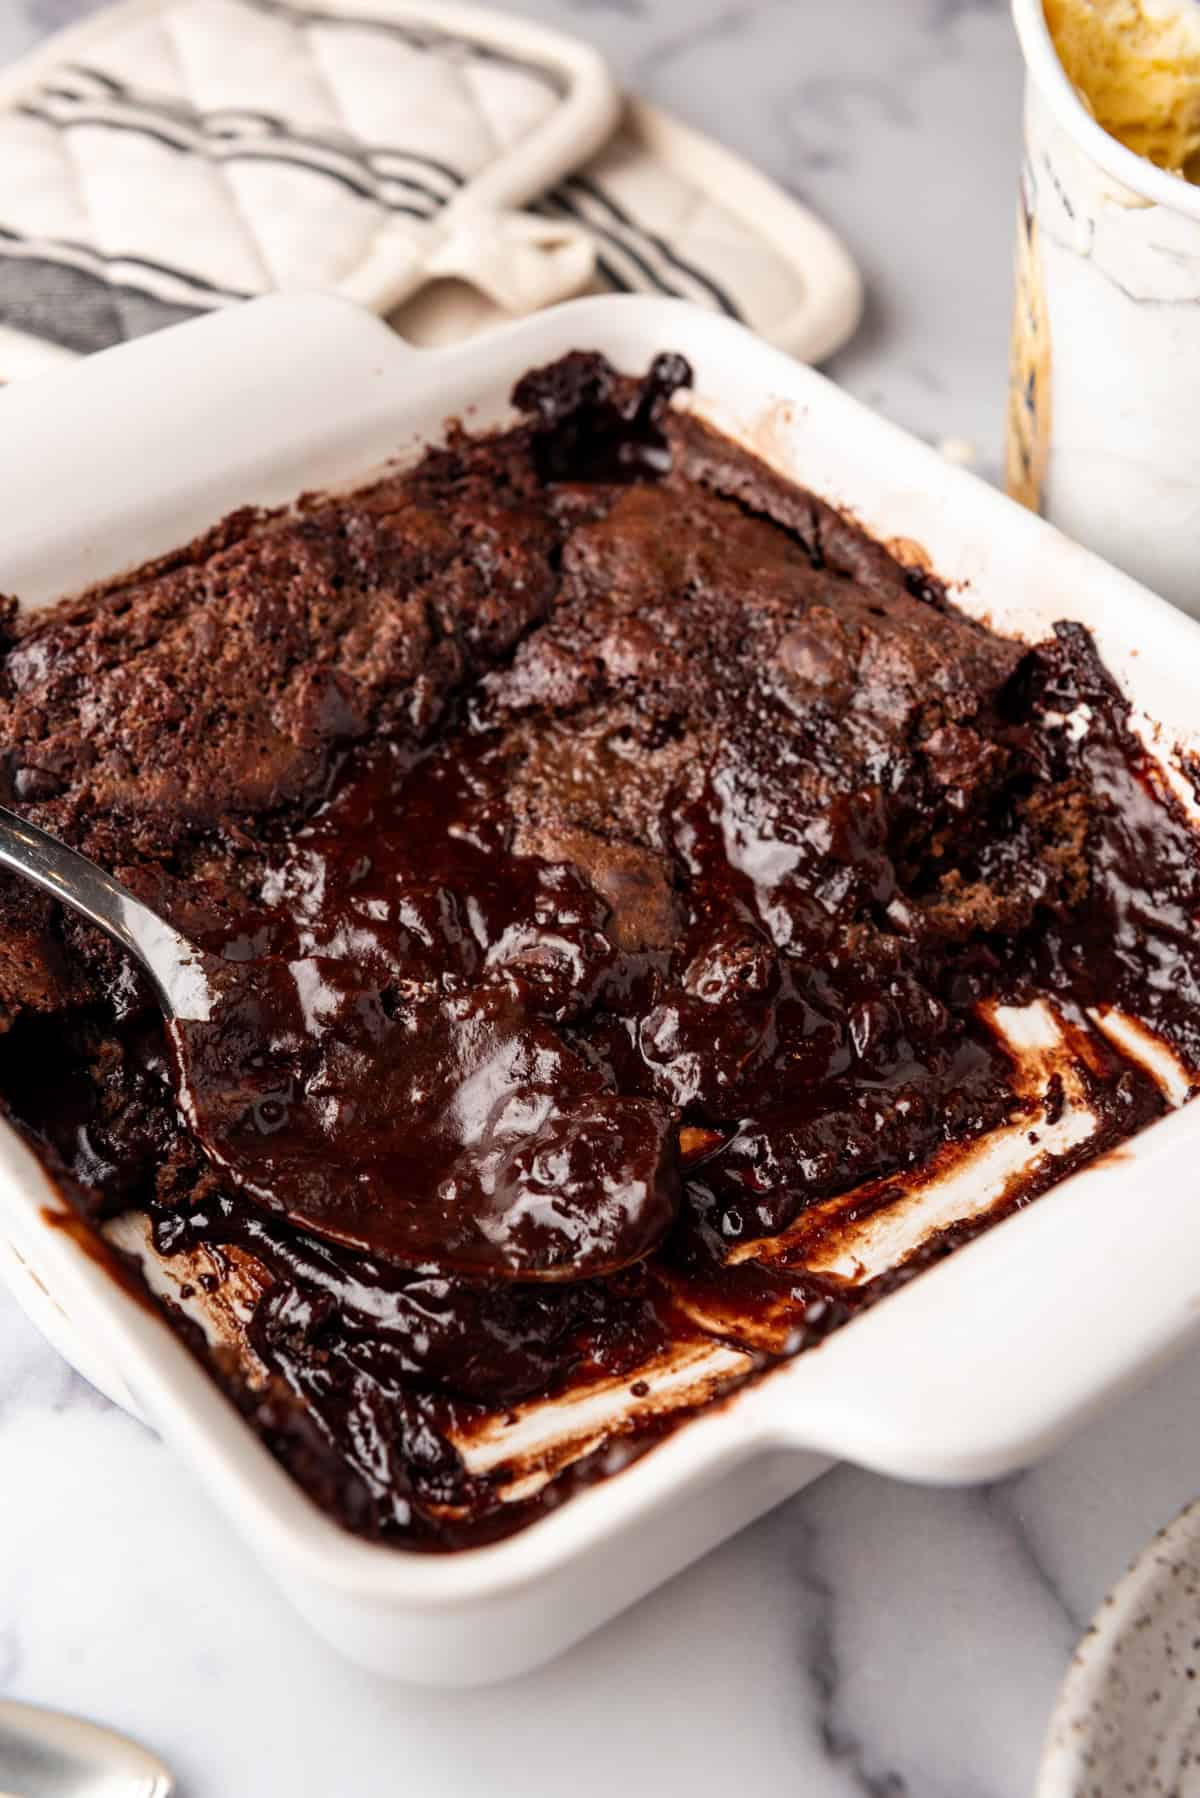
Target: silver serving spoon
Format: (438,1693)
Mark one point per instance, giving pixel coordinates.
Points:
(487,1185)
(48,1754)
(175,966)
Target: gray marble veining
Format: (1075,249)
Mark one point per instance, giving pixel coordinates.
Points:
(867,1638)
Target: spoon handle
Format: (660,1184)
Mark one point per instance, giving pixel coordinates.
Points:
(172,962)
(50,1754)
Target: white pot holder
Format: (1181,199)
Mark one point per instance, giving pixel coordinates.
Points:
(670,211)
(445,165)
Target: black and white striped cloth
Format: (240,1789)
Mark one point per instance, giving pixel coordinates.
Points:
(185,154)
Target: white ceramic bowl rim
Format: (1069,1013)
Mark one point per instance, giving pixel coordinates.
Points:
(1097,1696)
(1135,172)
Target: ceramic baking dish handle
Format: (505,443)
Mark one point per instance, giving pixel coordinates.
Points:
(985,1361)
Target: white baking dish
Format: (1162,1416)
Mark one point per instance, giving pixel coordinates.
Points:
(970,1371)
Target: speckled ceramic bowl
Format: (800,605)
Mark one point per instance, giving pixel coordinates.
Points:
(1128,1716)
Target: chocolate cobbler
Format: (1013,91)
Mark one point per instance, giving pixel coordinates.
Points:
(612,855)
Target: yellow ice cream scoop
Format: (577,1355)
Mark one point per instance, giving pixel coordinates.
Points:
(1136,63)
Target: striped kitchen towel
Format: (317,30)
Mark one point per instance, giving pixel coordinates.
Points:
(444,165)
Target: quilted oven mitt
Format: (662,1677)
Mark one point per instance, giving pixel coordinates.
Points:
(170,156)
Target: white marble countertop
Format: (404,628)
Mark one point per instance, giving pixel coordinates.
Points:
(866,1638)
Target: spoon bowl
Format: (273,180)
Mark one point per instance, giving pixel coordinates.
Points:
(49,1754)
(446,1133)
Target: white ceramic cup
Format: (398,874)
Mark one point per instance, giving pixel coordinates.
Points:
(1104,402)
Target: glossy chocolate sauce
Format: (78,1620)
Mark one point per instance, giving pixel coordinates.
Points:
(610,853)
(392,1074)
